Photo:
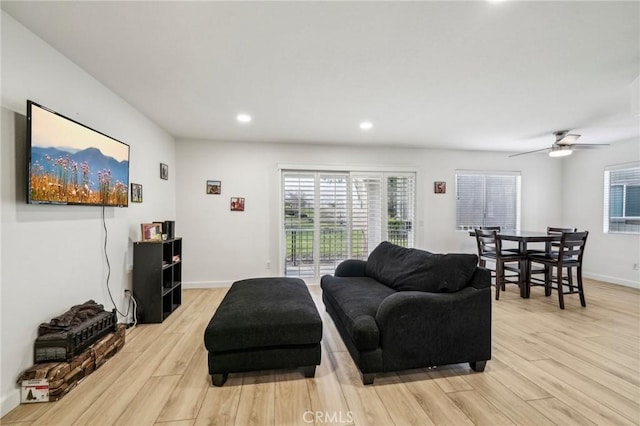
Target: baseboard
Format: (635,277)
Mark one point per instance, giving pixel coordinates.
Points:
(9,402)
(613,280)
(206,284)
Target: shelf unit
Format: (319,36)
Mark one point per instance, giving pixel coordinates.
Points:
(157,278)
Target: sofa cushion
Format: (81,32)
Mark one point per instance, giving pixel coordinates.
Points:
(355,300)
(408,269)
(389,263)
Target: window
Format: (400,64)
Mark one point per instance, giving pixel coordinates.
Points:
(487,198)
(333,216)
(622,199)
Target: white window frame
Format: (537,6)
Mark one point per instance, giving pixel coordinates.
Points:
(606,219)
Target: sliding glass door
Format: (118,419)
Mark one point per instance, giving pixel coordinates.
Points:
(332,216)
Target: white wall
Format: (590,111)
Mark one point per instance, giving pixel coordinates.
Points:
(608,257)
(221,246)
(52,256)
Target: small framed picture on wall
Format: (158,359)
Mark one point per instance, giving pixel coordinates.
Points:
(214,187)
(237,204)
(439,187)
(136,193)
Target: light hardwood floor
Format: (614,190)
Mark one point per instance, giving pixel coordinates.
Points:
(578,366)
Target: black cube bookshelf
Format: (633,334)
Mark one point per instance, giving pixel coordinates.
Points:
(157,278)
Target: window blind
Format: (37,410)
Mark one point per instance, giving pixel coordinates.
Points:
(299,223)
(622,198)
(400,210)
(366,214)
(334,225)
(487,198)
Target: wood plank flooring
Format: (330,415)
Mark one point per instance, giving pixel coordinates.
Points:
(578,366)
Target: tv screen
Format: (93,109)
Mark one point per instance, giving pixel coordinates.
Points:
(70,163)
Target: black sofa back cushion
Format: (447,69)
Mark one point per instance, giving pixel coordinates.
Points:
(407,269)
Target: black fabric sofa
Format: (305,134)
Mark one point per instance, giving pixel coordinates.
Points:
(408,308)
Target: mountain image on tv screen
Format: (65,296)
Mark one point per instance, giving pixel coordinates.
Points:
(73,164)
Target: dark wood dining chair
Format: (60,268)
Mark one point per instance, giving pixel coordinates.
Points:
(497,229)
(551,247)
(570,251)
(490,250)
(552,230)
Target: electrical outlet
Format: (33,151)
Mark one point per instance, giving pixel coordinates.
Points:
(127,293)
(635,267)
(268,264)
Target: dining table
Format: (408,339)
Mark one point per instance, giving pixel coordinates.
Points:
(523,238)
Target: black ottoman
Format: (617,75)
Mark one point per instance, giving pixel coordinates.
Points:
(264,324)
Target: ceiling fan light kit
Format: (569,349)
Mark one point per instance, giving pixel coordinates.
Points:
(560,151)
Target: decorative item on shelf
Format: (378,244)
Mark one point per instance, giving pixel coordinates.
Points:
(176,258)
(169,228)
(439,187)
(136,193)
(214,187)
(164,171)
(151,231)
(237,204)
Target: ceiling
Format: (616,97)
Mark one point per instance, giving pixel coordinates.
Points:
(459,75)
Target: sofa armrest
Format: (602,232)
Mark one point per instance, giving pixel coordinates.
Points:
(351,268)
(481,278)
(439,328)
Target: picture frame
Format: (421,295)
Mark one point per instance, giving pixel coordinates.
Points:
(214,187)
(136,193)
(237,204)
(151,231)
(164,171)
(439,187)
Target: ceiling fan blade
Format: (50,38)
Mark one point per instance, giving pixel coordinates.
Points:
(588,145)
(529,152)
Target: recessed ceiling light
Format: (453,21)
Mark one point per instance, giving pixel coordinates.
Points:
(366,125)
(243,118)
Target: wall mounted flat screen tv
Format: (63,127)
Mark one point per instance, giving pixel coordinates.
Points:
(70,163)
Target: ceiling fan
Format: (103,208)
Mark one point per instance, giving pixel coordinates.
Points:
(564,145)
